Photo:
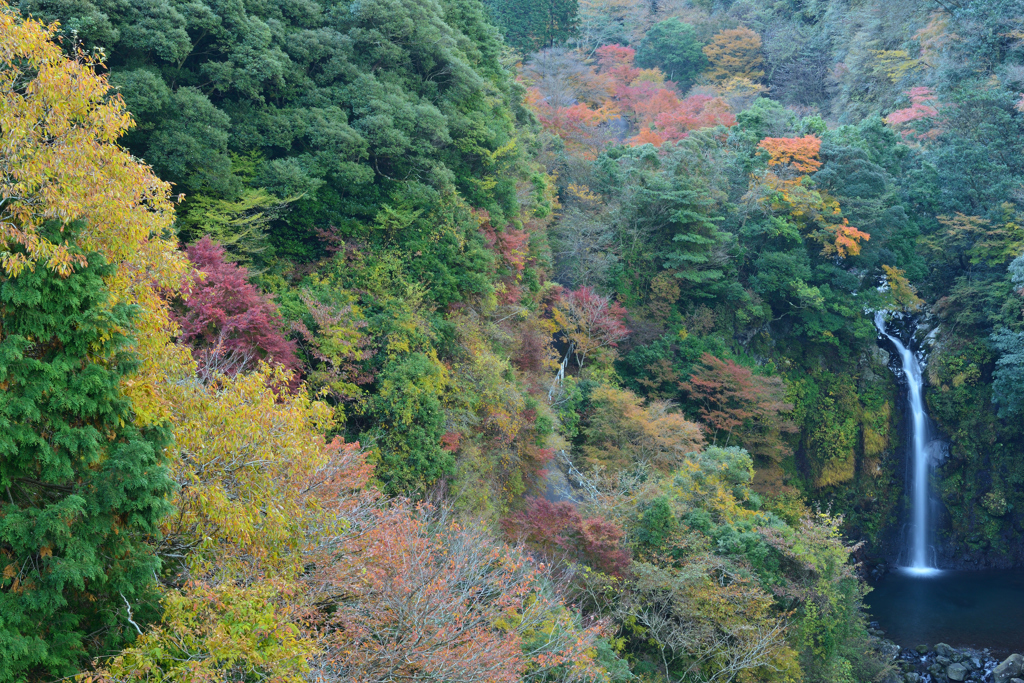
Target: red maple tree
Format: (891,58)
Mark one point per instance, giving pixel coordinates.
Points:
(735,402)
(559,531)
(229,324)
(590,322)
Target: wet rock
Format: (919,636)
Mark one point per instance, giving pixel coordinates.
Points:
(944,661)
(956,672)
(1016,680)
(887,649)
(912,678)
(944,650)
(922,649)
(1010,668)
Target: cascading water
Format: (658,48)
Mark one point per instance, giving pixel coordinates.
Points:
(920,548)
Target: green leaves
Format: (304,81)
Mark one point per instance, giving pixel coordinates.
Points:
(673,47)
(83,487)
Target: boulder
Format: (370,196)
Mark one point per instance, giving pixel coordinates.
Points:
(887,649)
(944,650)
(912,678)
(956,672)
(922,649)
(1010,668)
(944,661)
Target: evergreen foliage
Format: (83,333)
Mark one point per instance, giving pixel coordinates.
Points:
(530,25)
(84,489)
(673,47)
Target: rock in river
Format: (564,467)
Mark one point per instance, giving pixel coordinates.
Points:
(1010,668)
(956,672)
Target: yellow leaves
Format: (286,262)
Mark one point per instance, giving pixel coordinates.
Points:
(208,631)
(894,64)
(583,193)
(60,161)
(735,53)
(241,453)
(902,293)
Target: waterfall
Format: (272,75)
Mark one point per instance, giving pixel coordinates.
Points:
(919,548)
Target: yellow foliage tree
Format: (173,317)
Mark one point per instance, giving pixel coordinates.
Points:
(903,294)
(623,431)
(735,53)
(240,448)
(60,161)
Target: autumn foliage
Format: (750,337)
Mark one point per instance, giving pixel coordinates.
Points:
(923,107)
(735,52)
(800,154)
(563,534)
(741,407)
(618,89)
(228,323)
(786,187)
(590,322)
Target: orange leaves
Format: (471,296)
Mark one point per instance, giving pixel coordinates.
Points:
(643,96)
(577,125)
(418,596)
(801,154)
(846,240)
(787,187)
(646,136)
(735,53)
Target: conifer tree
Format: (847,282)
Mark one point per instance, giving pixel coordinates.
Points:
(82,489)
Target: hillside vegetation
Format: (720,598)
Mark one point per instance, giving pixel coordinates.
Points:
(458,341)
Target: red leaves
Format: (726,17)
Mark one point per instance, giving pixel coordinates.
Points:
(415,597)
(450,441)
(922,105)
(617,62)
(697,111)
(737,402)
(228,323)
(590,321)
(559,531)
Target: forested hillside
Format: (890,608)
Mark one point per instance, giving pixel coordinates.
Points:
(501,340)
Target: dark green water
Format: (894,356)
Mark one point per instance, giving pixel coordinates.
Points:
(983,609)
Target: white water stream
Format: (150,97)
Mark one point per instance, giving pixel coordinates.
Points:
(920,549)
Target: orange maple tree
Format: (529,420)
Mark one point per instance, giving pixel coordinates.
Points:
(786,186)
